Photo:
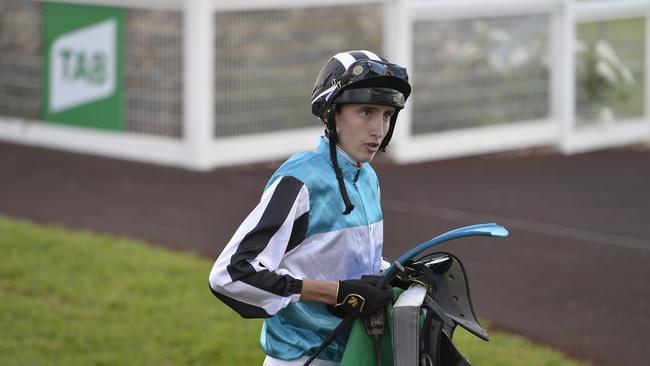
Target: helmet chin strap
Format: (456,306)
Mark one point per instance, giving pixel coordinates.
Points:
(333,137)
(389,134)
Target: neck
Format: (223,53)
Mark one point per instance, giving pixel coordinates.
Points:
(345,154)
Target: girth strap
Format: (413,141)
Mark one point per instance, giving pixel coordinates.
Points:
(406,330)
(375,325)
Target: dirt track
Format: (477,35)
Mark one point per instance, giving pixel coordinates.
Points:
(573,273)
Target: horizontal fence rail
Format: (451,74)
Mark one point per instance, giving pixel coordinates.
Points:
(208,83)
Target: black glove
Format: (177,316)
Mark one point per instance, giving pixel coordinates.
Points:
(408,277)
(417,273)
(361,298)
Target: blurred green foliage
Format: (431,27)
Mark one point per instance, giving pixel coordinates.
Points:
(610,74)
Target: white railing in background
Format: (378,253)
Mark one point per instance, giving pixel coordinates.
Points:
(202,146)
(620,131)
(411,147)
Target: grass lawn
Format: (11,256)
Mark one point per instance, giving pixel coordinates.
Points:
(77,298)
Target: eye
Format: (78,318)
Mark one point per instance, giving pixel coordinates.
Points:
(388,114)
(366,112)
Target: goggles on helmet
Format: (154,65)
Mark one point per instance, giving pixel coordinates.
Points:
(365,69)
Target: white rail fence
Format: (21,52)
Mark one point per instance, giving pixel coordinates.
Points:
(215,83)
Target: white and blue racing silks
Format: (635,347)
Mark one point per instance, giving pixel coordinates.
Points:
(298,231)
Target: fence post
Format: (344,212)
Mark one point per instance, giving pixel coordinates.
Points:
(564,74)
(198,85)
(398,48)
(646,74)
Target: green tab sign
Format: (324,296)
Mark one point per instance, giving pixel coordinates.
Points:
(83,65)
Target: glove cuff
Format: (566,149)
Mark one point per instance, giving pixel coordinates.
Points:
(353,302)
(338,288)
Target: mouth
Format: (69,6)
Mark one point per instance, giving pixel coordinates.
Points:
(372,146)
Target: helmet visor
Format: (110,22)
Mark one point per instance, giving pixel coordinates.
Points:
(382,96)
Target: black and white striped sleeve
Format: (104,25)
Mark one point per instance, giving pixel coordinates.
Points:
(247,275)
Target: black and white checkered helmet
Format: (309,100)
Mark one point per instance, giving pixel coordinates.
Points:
(360,77)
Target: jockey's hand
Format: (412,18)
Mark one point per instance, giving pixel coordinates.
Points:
(361,298)
(419,274)
(406,278)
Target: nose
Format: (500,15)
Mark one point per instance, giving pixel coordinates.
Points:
(379,127)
